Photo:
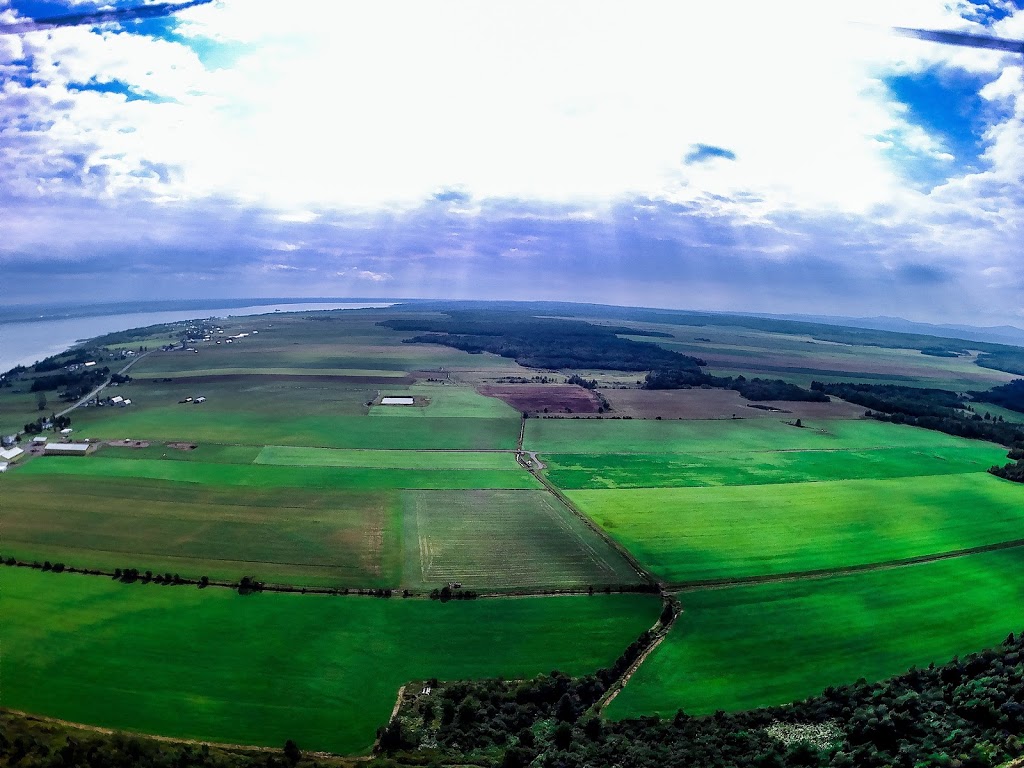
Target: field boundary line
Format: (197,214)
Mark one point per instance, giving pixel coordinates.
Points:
(642,572)
(827,573)
(174,740)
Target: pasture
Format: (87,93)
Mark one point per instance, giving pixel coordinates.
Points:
(693,534)
(504,539)
(670,470)
(323,671)
(610,436)
(750,646)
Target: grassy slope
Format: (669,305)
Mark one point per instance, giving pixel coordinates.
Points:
(751,646)
(266,668)
(686,534)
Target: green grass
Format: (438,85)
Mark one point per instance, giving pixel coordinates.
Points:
(249,370)
(504,539)
(687,534)
(273,476)
(593,471)
(751,646)
(557,436)
(333,457)
(323,671)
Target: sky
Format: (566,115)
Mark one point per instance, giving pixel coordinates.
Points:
(786,157)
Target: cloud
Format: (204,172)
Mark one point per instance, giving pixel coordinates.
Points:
(702,153)
(101,16)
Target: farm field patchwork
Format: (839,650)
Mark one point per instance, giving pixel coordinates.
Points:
(323,671)
(749,646)
(445,400)
(504,539)
(693,534)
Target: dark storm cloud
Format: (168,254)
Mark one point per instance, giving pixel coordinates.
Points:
(701,153)
(156,10)
(922,274)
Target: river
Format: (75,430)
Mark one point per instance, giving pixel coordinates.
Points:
(23,343)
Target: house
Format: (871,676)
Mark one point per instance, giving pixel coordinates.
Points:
(117,400)
(199,400)
(67,449)
(8,440)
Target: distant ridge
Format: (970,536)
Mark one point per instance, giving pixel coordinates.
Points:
(994,334)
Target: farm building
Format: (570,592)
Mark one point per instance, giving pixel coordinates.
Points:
(67,449)
(10,454)
(3,466)
(117,400)
(397,401)
(39,440)
(199,400)
(67,431)
(8,440)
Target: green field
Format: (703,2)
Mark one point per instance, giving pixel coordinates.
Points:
(504,539)
(273,476)
(692,534)
(594,471)
(313,536)
(610,436)
(324,671)
(751,646)
(445,401)
(333,457)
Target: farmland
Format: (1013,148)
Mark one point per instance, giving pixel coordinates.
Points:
(784,539)
(750,646)
(320,670)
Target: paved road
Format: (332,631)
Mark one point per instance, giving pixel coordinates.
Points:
(103,386)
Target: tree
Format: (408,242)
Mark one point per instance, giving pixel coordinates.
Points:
(291,752)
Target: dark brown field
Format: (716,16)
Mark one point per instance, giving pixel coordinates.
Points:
(544,398)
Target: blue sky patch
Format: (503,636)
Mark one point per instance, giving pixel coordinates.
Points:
(946,104)
(118,86)
(701,153)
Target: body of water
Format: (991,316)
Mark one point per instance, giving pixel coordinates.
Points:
(23,343)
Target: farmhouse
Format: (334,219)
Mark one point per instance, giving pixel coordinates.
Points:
(397,401)
(67,449)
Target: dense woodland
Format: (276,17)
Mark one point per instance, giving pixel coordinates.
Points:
(1009,395)
(558,344)
(937,409)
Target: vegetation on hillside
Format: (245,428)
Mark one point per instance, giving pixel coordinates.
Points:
(1009,395)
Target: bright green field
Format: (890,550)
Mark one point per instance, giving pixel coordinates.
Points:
(334,457)
(446,400)
(593,471)
(752,646)
(323,671)
(272,476)
(557,436)
(504,539)
(689,534)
